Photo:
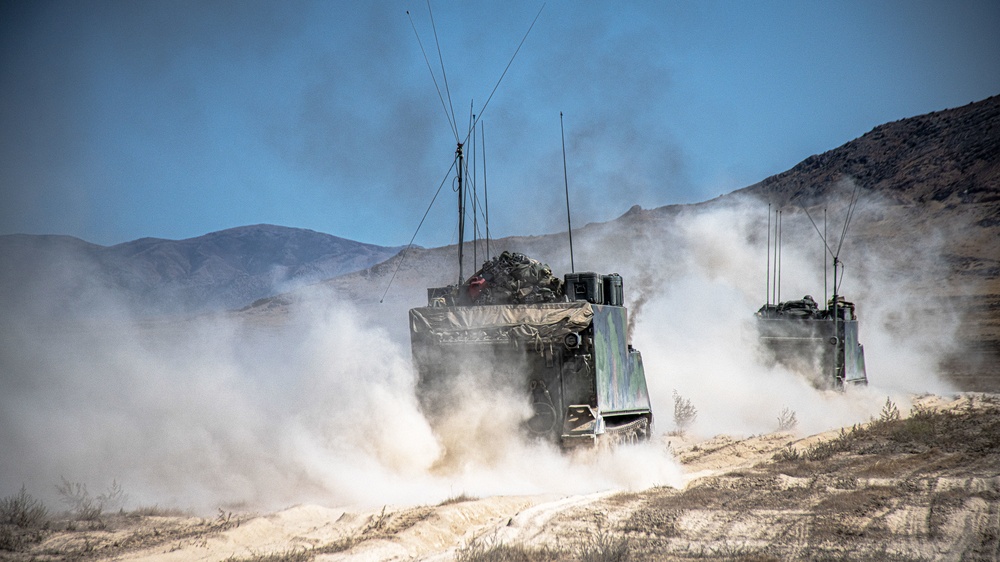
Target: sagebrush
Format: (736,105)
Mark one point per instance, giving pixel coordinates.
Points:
(23,510)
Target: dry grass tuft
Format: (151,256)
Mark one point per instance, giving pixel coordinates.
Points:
(461,498)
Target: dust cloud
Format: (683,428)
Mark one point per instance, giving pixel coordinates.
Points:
(319,405)
(222,411)
(703,276)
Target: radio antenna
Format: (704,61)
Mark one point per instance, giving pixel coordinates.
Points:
(768,274)
(444,74)
(474,197)
(459,153)
(486,194)
(837,264)
(778,261)
(774,264)
(461,209)
(475,206)
(569,221)
(402,258)
(449,116)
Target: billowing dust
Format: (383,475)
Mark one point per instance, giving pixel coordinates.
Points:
(218,411)
(215,412)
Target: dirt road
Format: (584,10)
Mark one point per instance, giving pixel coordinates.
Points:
(924,487)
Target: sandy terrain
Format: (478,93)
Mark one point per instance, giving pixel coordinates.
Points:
(925,487)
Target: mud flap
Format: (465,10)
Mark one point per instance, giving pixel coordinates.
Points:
(582,426)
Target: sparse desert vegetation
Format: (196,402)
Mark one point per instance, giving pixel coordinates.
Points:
(787,420)
(918,487)
(684,413)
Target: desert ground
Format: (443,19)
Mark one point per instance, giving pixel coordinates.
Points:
(916,485)
(919,481)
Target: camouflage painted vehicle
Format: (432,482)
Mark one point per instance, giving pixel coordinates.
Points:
(558,344)
(821,344)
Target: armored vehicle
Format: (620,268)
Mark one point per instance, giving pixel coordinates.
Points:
(558,344)
(822,344)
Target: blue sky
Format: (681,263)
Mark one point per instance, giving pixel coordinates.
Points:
(120,120)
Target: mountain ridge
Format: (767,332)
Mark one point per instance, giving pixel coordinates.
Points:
(929,183)
(219,270)
(929,213)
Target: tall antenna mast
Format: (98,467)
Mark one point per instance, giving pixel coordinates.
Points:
(851,208)
(768,276)
(569,222)
(779,259)
(486,194)
(824,254)
(459,156)
(461,210)
(774,264)
(475,200)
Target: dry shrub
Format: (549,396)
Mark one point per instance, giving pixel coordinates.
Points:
(13,539)
(491,549)
(22,518)
(787,454)
(787,420)
(684,413)
(86,507)
(23,510)
(604,547)
(599,547)
(889,413)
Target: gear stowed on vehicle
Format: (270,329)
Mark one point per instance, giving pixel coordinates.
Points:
(561,343)
(558,344)
(821,344)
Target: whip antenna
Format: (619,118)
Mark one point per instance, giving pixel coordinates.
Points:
(486,194)
(837,264)
(461,208)
(504,73)
(444,74)
(475,206)
(774,277)
(402,258)
(459,154)
(768,275)
(778,261)
(451,123)
(569,222)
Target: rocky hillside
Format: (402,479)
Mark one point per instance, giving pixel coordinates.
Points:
(936,181)
(951,156)
(220,270)
(928,212)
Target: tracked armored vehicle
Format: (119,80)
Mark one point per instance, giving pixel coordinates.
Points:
(822,344)
(558,344)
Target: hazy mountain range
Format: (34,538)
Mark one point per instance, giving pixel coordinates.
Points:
(932,175)
(220,270)
(923,245)
(930,211)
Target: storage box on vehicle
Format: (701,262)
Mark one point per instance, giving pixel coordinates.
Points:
(586,286)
